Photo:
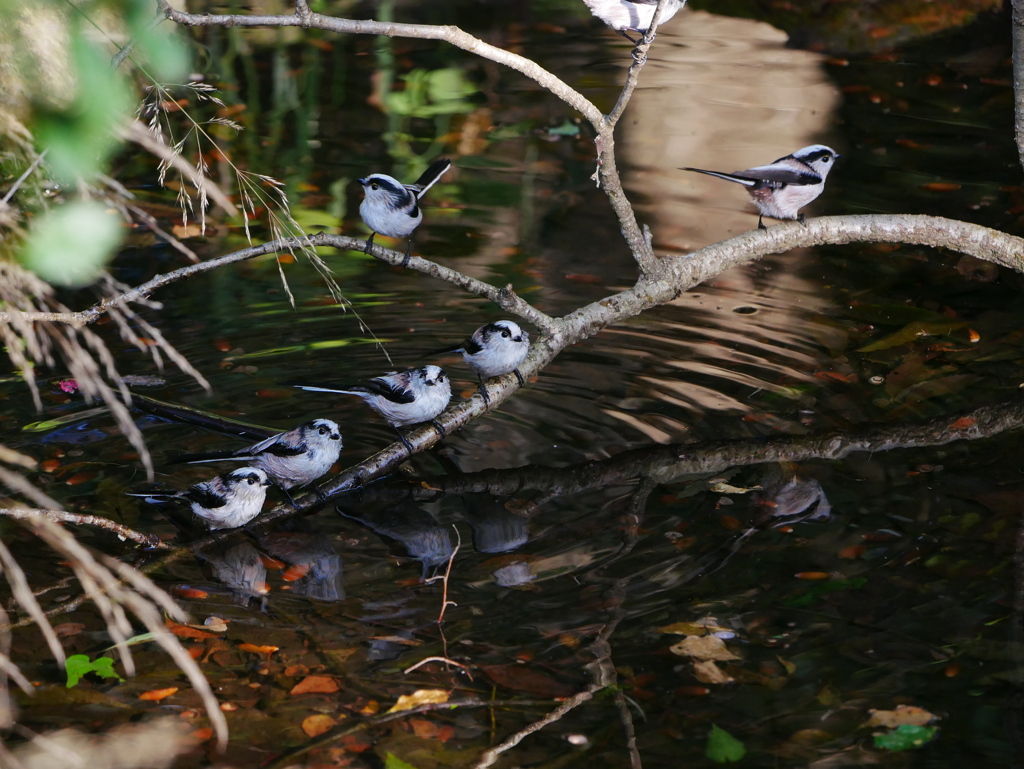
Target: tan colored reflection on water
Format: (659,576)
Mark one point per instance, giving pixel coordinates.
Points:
(725,94)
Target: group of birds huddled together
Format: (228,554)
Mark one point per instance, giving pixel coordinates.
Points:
(299,456)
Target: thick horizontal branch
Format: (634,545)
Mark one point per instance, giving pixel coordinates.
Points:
(449,34)
(666,464)
(675,275)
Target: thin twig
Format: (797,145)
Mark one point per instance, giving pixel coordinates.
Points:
(21,179)
(445,660)
(447,573)
(490,756)
(633,75)
(449,34)
(154,225)
(59,516)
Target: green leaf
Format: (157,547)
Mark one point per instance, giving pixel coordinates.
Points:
(394,762)
(723,747)
(906,737)
(71,244)
(157,43)
(80,137)
(141,638)
(912,331)
(568,128)
(822,588)
(77,665)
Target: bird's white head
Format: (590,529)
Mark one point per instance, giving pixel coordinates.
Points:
(247,476)
(502,332)
(321,432)
(819,157)
(432,375)
(384,188)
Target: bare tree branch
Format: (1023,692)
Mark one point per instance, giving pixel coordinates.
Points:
(449,34)
(60,516)
(1017,25)
(633,75)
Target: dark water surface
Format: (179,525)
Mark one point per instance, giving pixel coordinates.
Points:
(899,591)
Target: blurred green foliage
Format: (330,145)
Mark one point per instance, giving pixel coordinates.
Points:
(69,93)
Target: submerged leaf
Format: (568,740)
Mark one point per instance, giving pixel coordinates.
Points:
(707,672)
(393,762)
(420,697)
(912,331)
(904,714)
(906,737)
(706,647)
(723,747)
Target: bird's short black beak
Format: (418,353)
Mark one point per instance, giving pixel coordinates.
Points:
(362,181)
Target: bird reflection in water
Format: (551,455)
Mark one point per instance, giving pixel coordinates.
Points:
(314,566)
(240,568)
(496,530)
(410,526)
(794,499)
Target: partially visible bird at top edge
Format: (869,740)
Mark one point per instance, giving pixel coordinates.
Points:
(625,16)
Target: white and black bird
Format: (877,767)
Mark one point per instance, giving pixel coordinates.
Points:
(625,16)
(392,208)
(781,188)
(224,502)
(403,397)
(290,459)
(496,349)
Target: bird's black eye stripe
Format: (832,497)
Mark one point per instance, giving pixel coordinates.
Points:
(824,155)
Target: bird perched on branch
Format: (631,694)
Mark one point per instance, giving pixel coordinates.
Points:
(495,349)
(224,502)
(781,188)
(626,16)
(289,459)
(403,397)
(392,208)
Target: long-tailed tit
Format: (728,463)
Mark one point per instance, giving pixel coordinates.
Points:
(403,397)
(224,502)
(626,16)
(780,189)
(392,208)
(290,459)
(496,349)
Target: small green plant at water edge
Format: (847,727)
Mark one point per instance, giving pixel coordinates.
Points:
(78,665)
